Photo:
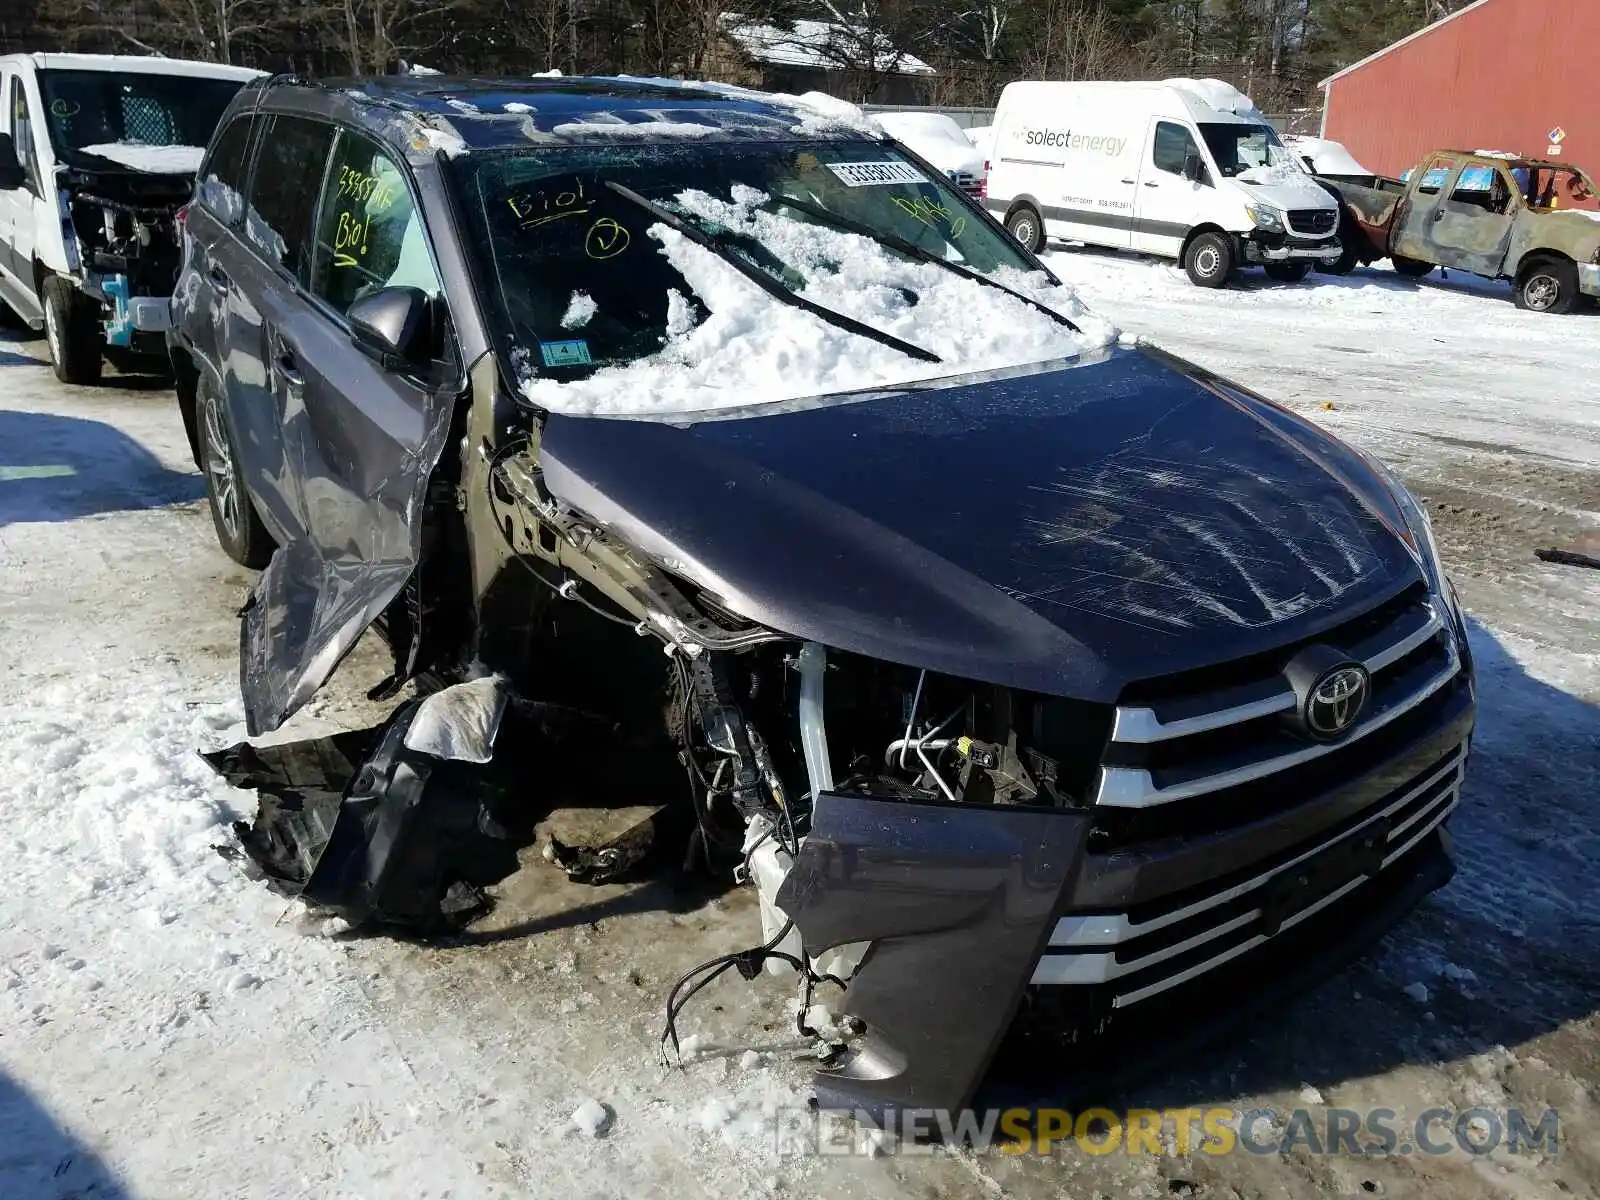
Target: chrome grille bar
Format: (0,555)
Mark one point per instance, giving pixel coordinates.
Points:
(1103,967)
(1108,929)
(1144,725)
(1135,787)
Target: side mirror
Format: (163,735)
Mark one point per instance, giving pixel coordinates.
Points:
(1193,169)
(11,173)
(393,325)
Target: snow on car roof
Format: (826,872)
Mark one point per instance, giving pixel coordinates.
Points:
(142,64)
(499,114)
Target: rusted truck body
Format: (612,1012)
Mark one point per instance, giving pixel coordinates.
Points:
(1532,221)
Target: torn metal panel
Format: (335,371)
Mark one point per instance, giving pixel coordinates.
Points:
(958,902)
(361,479)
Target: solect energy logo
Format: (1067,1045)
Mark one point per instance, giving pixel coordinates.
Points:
(1065,139)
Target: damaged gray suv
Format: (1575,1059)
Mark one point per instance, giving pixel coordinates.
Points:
(699,449)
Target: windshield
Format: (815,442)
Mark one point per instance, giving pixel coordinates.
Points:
(584,286)
(104,113)
(1238,148)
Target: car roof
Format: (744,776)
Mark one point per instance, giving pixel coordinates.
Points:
(519,113)
(140,64)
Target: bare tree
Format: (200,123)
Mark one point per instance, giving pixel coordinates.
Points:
(1073,39)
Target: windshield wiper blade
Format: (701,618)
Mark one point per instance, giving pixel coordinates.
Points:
(765,282)
(913,251)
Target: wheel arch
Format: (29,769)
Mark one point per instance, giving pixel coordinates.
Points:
(1207,227)
(186,380)
(1536,255)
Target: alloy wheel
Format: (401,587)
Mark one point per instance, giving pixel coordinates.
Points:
(219,467)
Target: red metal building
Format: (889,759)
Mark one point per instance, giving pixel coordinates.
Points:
(1516,75)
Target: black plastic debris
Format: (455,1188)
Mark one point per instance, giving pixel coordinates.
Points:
(396,840)
(381,835)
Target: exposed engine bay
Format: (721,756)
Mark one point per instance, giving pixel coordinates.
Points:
(126,238)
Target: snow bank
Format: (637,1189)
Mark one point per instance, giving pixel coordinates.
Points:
(1324,157)
(755,349)
(1220,95)
(157,160)
(935,137)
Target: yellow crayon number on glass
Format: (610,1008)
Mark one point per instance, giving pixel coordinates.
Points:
(533,209)
(606,239)
(350,239)
(931,214)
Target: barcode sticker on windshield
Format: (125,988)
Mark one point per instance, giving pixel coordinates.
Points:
(876,174)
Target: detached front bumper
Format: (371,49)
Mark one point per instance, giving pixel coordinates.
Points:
(1262,247)
(1589,279)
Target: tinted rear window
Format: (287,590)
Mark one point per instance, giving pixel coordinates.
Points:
(291,154)
(222,178)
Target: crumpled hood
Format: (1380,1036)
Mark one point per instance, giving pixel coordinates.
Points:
(1064,531)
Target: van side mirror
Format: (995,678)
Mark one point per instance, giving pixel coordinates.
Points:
(11,173)
(1193,169)
(392,326)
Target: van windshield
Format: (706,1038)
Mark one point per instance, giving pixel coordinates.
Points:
(1238,148)
(583,282)
(123,116)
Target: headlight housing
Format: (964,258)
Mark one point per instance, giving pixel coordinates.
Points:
(1423,544)
(1265,217)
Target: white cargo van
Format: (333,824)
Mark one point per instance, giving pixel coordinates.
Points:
(1186,168)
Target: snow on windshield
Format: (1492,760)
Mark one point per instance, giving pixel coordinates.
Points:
(751,348)
(157,160)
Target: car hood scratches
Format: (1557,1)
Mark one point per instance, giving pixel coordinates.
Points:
(1065,532)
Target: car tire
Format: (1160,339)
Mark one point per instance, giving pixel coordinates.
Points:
(1209,260)
(1289,272)
(1024,223)
(1411,268)
(1548,286)
(72,333)
(240,532)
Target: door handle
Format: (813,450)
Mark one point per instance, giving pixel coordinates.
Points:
(219,279)
(288,370)
(1127,181)
(1151,183)
(1438,214)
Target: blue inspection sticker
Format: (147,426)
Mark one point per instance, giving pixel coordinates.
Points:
(565,354)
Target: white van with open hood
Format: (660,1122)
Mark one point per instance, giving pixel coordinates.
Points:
(1187,168)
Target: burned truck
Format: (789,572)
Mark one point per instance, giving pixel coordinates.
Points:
(97,159)
(1531,221)
(697,450)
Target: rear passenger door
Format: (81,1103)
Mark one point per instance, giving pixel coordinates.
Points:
(257,278)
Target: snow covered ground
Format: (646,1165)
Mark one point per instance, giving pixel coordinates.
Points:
(169,1029)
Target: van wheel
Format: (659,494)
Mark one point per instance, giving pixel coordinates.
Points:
(1024,224)
(1209,260)
(1549,285)
(239,530)
(72,331)
(1411,268)
(1290,272)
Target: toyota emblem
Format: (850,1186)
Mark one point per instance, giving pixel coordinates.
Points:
(1337,699)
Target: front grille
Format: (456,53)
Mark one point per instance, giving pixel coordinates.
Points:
(1312,220)
(967,182)
(1167,749)
(1144,951)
